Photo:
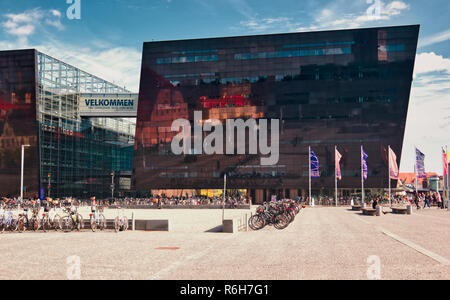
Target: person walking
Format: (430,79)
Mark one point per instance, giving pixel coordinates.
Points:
(427,201)
(416,200)
(439,200)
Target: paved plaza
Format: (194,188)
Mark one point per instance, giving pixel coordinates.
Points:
(322,243)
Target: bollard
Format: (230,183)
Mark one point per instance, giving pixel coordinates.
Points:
(409,209)
(133,223)
(379,211)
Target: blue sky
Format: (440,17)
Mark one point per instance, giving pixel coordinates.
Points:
(107,41)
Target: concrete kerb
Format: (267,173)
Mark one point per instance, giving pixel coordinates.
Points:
(139,225)
(235,225)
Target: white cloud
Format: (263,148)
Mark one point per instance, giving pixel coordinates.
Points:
(23,25)
(434,39)
(431,62)
(330,17)
(267,24)
(428,122)
(333,18)
(119,65)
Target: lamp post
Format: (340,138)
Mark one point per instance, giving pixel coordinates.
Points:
(21,171)
(112,184)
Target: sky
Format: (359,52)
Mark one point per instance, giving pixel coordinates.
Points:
(107,41)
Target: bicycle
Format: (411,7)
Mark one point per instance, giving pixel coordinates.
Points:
(48,222)
(120,222)
(97,219)
(23,223)
(7,222)
(72,221)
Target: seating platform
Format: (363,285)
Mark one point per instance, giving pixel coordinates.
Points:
(369,212)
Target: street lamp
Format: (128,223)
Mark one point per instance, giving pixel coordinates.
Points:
(21,173)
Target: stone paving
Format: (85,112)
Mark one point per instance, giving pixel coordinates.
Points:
(322,243)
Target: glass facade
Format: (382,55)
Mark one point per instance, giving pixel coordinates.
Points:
(18,122)
(346,88)
(70,155)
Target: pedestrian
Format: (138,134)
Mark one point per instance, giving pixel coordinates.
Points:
(439,200)
(427,201)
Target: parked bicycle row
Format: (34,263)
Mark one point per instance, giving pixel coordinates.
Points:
(277,214)
(65,219)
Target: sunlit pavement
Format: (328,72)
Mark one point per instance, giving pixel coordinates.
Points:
(322,243)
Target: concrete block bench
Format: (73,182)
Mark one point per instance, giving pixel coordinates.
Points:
(399,211)
(356,207)
(152,225)
(369,212)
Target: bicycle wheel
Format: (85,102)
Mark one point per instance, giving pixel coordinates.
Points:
(57,223)
(125,224)
(102,222)
(21,226)
(256,222)
(79,222)
(67,224)
(13,225)
(117,224)
(35,223)
(281,222)
(45,224)
(93,224)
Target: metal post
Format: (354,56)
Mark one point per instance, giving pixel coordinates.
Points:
(309,159)
(389,174)
(112,185)
(21,171)
(448,198)
(335,175)
(362,177)
(224,196)
(21,175)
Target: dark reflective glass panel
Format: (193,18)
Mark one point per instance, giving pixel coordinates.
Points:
(346,88)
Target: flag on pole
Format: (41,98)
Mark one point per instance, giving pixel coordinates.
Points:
(393,167)
(315,173)
(364,163)
(338,165)
(420,164)
(445,163)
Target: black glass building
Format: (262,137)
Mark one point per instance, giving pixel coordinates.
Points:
(69,155)
(348,88)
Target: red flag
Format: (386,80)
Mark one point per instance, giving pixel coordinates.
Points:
(393,167)
(445,163)
(338,158)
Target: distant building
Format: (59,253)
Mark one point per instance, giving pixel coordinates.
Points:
(70,155)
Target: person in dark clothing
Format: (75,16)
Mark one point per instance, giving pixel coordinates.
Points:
(375,203)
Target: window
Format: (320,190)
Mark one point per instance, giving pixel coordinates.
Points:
(293,53)
(187,59)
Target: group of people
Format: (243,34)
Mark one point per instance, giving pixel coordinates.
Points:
(428,199)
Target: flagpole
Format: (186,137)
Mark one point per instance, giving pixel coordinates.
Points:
(415,168)
(309,156)
(362,176)
(335,175)
(448,198)
(389,174)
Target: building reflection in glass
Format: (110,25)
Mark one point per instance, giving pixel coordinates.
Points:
(347,88)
